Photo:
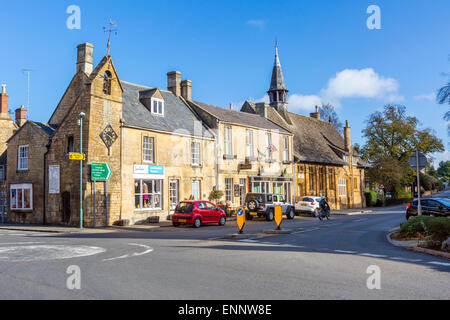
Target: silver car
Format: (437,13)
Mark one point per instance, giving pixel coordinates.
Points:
(263,205)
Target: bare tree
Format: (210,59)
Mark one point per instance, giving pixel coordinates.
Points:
(328,113)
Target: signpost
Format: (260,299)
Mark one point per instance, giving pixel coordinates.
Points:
(278,216)
(100,171)
(418,161)
(76,156)
(240,218)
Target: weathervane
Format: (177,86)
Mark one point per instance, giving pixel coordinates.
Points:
(112,28)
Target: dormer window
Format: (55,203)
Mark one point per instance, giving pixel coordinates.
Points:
(107,82)
(158,106)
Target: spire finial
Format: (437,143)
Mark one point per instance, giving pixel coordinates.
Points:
(112,28)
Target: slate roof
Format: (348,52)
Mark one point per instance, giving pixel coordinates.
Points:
(48,129)
(315,141)
(177,115)
(240,118)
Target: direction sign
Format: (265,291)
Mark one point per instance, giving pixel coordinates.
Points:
(240,218)
(278,216)
(76,156)
(100,171)
(422,161)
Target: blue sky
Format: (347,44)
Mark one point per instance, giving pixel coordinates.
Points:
(227,47)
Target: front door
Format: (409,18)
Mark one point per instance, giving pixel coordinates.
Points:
(65,218)
(242,183)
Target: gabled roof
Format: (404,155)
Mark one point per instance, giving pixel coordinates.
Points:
(178,117)
(45,128)
(240,118)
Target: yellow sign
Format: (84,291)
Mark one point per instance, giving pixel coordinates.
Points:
(76,156)
(240,218)
(278,216)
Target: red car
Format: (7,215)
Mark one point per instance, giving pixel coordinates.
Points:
(198,213)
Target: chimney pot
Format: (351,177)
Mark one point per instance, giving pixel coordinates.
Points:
(186,89)
(85,52)
(315,115)
(21,116)
(4,100)
(174,82)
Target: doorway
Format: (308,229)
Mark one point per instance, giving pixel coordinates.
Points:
(65,218)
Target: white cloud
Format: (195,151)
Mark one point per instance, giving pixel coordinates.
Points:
(429,97)
(301,102)
(258,23)
(364,83)
(441,156)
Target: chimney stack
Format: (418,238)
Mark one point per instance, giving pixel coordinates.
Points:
(231,106)
(315,115)
(85,52)
(186,89)
(21,116)
(174,82)
(347,139)
(4,100)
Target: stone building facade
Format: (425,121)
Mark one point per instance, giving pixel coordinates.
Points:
(325,163)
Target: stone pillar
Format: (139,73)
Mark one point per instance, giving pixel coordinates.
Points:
(174,82)
(85,58)
(186,89)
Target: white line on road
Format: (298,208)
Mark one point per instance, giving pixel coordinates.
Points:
(345,251)
(134,254)
(372,255)
(440,263)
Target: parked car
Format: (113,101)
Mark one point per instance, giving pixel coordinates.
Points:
(263,205)
(198,213)
(437,207)
(309,204)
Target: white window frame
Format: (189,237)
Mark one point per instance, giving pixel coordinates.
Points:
(150,195)
(250,152)
(22,158)
(286,149)
(173,193)
(148,149)
(13,204)
(229,189)
(268,145)
(196,150)
(228,141)
(196,189)
(159,106)
(342,187)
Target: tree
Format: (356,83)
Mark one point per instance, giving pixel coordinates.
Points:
(391,137)
(443,96)
(328,113)
(444,171)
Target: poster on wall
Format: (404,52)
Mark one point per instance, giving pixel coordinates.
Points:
(53,179)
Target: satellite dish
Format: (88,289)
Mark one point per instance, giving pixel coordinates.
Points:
(422,161)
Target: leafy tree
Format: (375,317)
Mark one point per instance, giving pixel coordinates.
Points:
(443,96)
(444,170)
(391,137)
(328,113)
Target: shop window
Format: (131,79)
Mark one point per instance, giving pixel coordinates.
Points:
(196,190)
(22,160)
(148,194)
(21,197)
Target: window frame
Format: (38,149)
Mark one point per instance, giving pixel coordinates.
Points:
(196,153)
(160,106)
(229,189)
(152,194)
(249,145)
(342,187)
(268,145)
(19,158)
(150,148)
(286,151)
(23,186)
(228,141)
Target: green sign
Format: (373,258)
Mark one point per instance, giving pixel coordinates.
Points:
(100,171)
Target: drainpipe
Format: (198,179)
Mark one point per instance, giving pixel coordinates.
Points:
(44,196)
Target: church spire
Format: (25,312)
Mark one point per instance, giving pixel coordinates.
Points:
(277,91)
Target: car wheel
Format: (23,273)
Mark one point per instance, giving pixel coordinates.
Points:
(269,215)
(176,224)
(291,214)
(197,223)
(252,205)
(222,221)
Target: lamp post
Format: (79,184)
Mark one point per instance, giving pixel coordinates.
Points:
(80,122)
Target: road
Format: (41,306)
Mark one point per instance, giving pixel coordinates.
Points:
(319,260)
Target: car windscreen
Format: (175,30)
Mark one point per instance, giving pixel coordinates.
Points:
(185,207)
(306,199)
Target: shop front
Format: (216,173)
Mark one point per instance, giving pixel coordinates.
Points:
(148,188)
(278,185)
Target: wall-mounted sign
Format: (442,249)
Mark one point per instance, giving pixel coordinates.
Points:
(53,179)
(148,169)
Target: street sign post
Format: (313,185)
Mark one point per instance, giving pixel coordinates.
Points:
(278,216)
(418,161)
(240,218)
(76,156)
(100,171)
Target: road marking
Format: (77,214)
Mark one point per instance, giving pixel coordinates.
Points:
(440,263)
(372,255)
(248,240)
(16,243)
(47,252)
(134,254)
(345,251)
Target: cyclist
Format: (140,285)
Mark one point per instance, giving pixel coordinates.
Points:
(324,209)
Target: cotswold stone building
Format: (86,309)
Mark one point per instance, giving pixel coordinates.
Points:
(325,163)
(158,149)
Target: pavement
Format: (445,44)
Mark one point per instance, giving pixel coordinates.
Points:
(329,259)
